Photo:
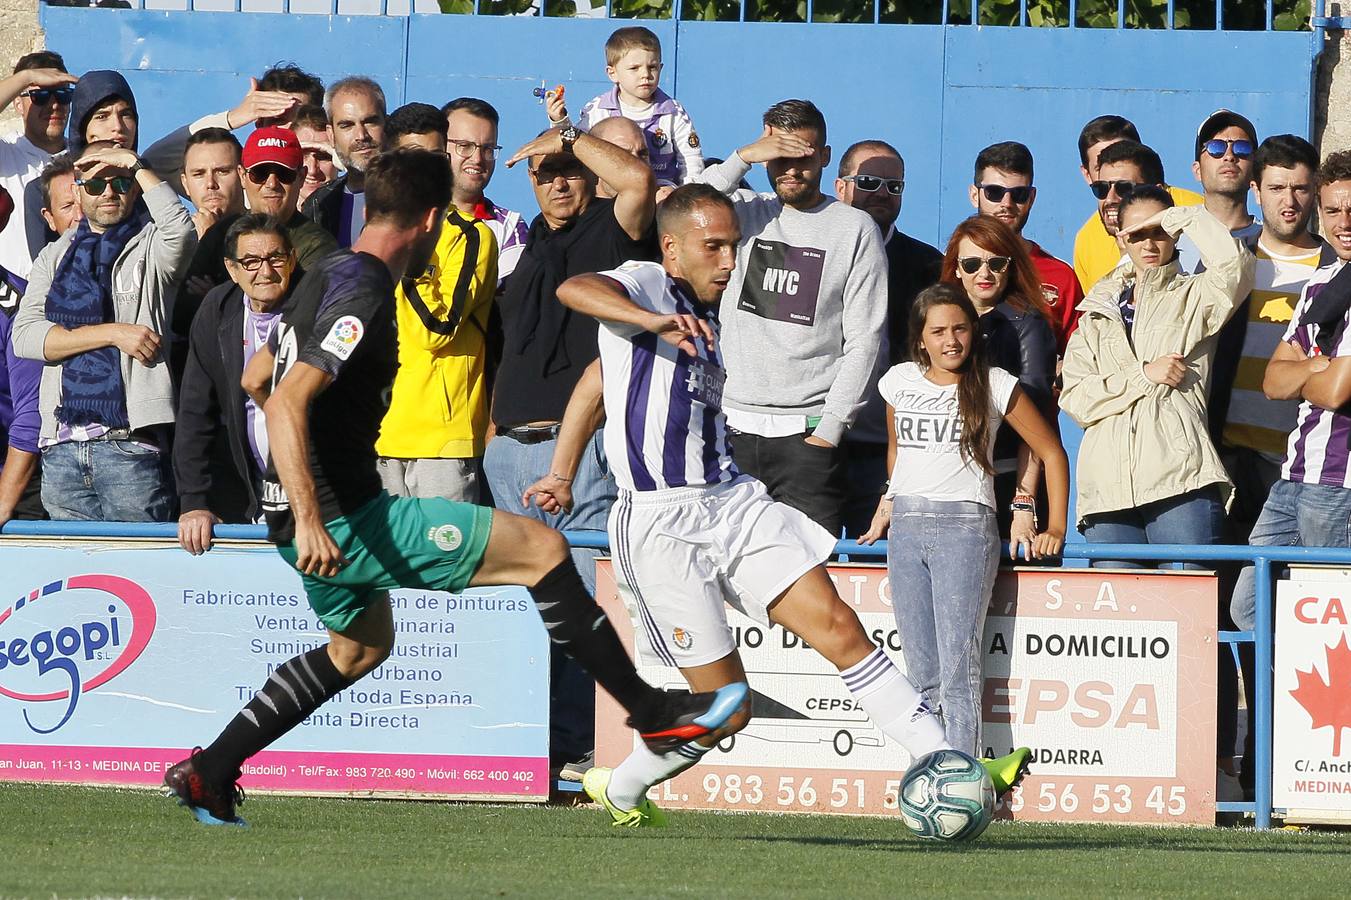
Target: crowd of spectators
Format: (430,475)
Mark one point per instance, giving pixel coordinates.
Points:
(1199,346)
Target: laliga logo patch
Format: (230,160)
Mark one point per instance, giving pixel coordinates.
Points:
(447,537)
(343,337)
(42,663)
(693,141)
(683,639)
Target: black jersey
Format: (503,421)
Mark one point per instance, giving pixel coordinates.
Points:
(340,320)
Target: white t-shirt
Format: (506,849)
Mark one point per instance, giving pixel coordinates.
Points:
(929,461)
(20,163)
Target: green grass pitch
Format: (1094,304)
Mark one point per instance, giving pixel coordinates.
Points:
(82,842)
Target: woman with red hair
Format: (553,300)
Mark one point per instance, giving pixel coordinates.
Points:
(991,264)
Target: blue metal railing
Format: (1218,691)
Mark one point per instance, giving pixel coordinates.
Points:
(1262,558)
(1065,14)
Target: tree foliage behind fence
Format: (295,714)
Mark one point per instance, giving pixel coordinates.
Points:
(1238,15)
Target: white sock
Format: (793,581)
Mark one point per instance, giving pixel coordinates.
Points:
(892,702)
(633,777)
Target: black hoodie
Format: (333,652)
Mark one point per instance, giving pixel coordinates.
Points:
(92,90)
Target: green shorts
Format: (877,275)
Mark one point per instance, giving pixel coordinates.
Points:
(396,542)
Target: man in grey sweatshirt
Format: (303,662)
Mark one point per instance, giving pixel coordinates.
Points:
(98,301)
(804,316)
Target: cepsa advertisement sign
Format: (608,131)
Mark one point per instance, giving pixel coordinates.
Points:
(1108,676)
(1311,728)
(115,661)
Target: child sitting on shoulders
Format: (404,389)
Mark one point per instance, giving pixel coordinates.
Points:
(633,63)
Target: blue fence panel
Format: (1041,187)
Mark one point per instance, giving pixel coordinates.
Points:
(185,65)
(1040,85)
(938,93)
(728,74)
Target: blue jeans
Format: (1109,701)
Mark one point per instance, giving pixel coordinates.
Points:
(1196,517)
(108,481)
(942,558)
(1295,515)
(510,467)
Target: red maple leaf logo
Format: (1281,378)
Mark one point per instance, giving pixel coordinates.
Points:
(1328,703)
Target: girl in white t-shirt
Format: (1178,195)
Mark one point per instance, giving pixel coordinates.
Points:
(945,408)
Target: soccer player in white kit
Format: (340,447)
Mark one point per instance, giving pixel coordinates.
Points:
(691,533)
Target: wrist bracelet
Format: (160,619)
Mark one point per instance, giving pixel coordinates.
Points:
(562,478)
(1024,498)
(1018,506)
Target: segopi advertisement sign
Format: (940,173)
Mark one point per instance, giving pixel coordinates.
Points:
(115,661)
(110,622)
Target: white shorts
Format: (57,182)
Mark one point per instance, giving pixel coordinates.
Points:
(680,554)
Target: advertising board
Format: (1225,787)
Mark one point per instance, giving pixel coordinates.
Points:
(115,660)
(1108,675)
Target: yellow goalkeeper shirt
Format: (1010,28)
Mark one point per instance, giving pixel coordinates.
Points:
(439,405)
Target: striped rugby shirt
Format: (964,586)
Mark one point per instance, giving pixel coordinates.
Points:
(1253,421)
(665,427)
(1319,448)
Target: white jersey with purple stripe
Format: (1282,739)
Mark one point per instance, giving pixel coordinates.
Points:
(509,229)
(351,217)
(1320,446)
(672,143)
(664,422)
(258,328)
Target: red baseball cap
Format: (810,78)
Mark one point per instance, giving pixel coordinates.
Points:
(273,144)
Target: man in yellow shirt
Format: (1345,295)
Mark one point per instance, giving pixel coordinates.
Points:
(433,436)
(1095,248)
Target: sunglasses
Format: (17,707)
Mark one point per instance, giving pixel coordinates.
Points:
(1124,189)
(995,193)
(972,264)
(1217,148)
(43,96)
(871,183)
(548,174)
(95,187)
(254,263)
(261,172)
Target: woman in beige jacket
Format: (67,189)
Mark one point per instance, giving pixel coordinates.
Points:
(1136,373)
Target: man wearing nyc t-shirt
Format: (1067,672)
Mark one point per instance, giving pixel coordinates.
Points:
(801,334)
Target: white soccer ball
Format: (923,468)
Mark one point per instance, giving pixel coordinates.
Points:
(947,796)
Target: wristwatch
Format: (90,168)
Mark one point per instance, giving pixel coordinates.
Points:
(569,137)
(136,167)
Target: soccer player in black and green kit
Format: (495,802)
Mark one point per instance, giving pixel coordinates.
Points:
(323,382)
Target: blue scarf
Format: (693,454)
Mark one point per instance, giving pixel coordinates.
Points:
(81,294)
